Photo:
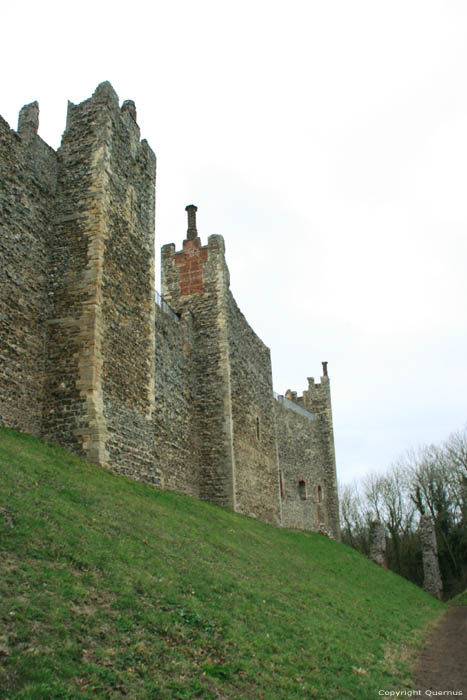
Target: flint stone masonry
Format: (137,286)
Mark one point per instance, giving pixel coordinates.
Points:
(253,420)
(306,459)
(100,394)
(73,307)
(176,435)
(179,394)
(311,471)
(432,582)
(300,477)
(378,543)
(28,182)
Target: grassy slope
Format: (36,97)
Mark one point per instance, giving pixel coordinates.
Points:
(109,588)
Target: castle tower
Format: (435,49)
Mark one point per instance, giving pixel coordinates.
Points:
(307,458)
(99,392)
(233,404)
(318,400)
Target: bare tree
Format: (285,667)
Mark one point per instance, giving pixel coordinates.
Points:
(429,481)
(354,522)
(372,491)
(455,449)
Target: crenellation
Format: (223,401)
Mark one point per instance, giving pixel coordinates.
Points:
(181,400)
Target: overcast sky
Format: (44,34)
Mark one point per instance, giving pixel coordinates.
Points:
(327,142)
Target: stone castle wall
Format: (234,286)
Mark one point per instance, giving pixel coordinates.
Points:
(176,438)
(233,403)
(253,421)
(28,180)
(180,395)
(301,478)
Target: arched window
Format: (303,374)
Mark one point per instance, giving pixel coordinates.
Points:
(302,490)
(320,494)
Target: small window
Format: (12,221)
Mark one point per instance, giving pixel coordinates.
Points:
(281,481)
(257,428)
(302,490)
(320,494)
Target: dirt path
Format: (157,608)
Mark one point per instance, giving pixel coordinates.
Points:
(442,665)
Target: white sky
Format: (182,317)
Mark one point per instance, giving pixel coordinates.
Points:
(327,142)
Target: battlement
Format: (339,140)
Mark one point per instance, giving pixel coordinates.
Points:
(194,269)
(102,111)
(315,395)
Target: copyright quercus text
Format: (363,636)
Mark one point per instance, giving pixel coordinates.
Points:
(419,693)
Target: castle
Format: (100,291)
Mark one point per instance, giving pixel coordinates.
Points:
(175,390)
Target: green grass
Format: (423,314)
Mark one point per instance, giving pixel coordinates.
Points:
(110,588)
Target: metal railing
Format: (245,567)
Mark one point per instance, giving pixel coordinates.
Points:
(160,301)
(293,406)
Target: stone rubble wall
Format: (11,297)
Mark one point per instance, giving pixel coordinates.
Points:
(300,504)
(176,437)
(128,308)
(253,420)
(100,380)
(28,178)
(233,404)
(73,401)
(317,400)
(194,281)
